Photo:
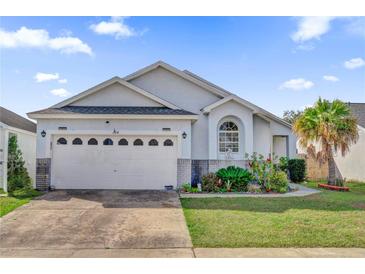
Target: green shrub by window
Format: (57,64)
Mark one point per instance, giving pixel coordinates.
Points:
(237,177)
(296,169)
(18,177)
(278,181)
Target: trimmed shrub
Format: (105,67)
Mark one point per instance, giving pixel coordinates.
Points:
(18,177)
(211,183)
(278,181)
(237,177)
(296,169)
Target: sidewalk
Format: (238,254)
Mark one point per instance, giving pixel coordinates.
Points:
(187,253)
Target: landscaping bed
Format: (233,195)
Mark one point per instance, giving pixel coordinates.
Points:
(263,176)
(326,219)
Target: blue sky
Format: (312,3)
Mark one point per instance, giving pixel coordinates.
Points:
(278,63)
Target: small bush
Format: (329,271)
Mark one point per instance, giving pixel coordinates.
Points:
(296,169)
(186,187)
(19,181)
(18,177)
(237,178)
(278,181)
(211,183)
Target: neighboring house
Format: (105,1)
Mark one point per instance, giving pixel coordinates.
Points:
(352,166)
(158,126)
(25,130)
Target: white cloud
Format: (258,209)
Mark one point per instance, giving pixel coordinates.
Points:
(297,84)
(62,81)
(115,27)
(61,92)
(312,27)
(39,38)
(43,77)
(330,78)
(354,63)
(356,26)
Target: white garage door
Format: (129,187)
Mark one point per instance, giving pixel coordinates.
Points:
(111,162)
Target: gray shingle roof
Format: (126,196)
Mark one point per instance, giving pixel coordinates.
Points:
(358,110)
(114,110)
(14,120)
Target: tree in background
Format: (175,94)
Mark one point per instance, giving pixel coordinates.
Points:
(17,173)
(291,115)
(324,129)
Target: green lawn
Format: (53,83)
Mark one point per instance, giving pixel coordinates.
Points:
(18,198)
(328,219)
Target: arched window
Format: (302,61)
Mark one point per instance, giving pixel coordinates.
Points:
(108,142)
(153,142)
(228,137)
(61,141)
(138,142)
(92,142)
(77,141)
(123,142)
(168,143)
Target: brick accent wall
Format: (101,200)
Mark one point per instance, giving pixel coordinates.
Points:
(183,171)
(43,173)
(199,168)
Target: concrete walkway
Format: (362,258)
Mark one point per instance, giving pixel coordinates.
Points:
(187,253)
(300,192)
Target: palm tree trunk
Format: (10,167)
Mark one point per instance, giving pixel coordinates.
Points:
(331,171)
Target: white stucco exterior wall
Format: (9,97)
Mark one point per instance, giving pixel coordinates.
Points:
(262,137)
(116,95)
(352,166)
(239,112)
(100,125)
(186,95)
(279,129)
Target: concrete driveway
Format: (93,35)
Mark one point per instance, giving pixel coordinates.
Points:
(64,221)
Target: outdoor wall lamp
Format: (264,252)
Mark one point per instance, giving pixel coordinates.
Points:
(43,133)
(184,135)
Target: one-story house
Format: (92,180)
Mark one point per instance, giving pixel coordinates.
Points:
(25,131)
(159,126)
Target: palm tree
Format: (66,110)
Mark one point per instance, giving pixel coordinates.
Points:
(325,129)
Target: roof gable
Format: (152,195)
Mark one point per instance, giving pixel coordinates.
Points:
(203,84)
(16,121)
(83,98)
(116,95)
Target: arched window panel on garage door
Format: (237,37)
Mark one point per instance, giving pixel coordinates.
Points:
(77,141)
(168,143)
(138,142)
(123,142)
(153,142)
(92,142)
(61,141)
(108,142)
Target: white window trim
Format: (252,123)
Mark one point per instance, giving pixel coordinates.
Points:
(228,131)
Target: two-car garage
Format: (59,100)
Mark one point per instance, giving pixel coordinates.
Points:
(113,161)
